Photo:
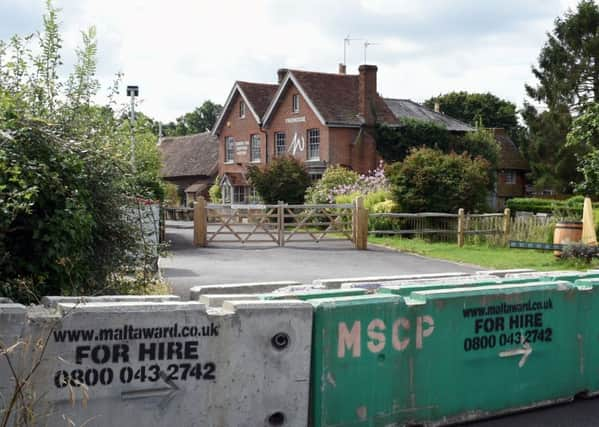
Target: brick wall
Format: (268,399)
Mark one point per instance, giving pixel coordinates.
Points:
(296,123)
(241,130)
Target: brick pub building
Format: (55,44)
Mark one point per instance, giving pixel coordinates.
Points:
(321,119)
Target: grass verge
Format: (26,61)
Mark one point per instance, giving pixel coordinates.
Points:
(485,256)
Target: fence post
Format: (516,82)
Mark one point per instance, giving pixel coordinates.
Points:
(281,222)
(200,222)
(507,222)
(361,224)
(461,227)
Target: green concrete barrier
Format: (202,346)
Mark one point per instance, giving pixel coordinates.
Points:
(443,355)
(570,276)
(587,347)
(406,288)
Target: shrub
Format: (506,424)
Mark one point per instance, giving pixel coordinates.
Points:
(215,192)
(333,177)
(580,252)
(429,180)
(562,209)
(171,194)
(66,232)
(284,179)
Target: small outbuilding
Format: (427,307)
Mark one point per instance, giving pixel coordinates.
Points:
(191,163)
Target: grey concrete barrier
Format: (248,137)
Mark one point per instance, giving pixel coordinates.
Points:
(167,363)
(238,288)
(502,273)
(13,318)
(5,300)
(53,301)
(336,283)
(217,300)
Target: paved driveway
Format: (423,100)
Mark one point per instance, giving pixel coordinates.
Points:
(188,266)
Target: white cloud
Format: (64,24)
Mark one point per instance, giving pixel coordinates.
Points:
(182,52)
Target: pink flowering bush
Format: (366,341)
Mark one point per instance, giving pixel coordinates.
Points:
(372,182)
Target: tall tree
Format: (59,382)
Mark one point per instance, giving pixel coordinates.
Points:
(477,108)
(568,65)
(567,76)
(199,120)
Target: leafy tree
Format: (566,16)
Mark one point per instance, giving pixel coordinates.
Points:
(199,120)
(423,181)
(477,109)
(567,80)
(567,70)
(284,179)
(584,137)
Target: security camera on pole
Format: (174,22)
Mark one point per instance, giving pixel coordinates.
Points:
(132,92)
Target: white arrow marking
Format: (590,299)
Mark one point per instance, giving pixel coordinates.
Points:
(168,392)
(524,351)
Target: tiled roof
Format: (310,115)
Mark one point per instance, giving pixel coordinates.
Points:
(259,95)
(509,155)
(189,155)
(408,109)
(236,179)
(336,98)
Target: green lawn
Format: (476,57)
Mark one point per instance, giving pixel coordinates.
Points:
(485,256)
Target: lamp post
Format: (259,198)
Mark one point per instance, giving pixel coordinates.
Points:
(132,92)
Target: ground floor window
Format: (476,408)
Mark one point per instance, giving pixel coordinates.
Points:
(240,194)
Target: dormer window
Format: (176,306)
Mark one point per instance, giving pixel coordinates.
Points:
(242,110)
(295,103)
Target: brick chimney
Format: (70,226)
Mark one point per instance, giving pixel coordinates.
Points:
(342,68)
(281,73)
(367,93)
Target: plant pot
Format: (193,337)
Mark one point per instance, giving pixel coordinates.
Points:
(566,233)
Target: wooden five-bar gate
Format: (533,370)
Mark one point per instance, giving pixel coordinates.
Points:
(280,224)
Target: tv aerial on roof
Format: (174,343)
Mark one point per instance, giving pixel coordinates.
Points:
(366,44)
(346,42)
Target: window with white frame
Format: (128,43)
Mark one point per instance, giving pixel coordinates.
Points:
(313,144)
(239,194)
(229,149)
(509,177)
(279,143)
(295,103)
(242,109)
(255,148)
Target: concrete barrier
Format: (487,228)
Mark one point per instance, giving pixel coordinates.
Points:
(336,283)
(13,318)
(168,363)
(217,300)
(238,288)
(425,279)
(5,300)
(53,301)
(443,356)
(502,273)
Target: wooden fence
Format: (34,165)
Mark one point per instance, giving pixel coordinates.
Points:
(444,226)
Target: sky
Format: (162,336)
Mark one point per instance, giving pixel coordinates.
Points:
(183,52)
